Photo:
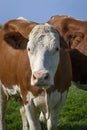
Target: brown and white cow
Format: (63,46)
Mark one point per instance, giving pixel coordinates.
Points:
(74,33)
(51,70)
(48,64)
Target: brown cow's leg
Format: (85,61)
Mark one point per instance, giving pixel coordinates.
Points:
(2,109)
(24,119)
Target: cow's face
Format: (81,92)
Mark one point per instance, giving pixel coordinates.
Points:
(43,50)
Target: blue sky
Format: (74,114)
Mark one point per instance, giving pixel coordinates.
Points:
(41,10)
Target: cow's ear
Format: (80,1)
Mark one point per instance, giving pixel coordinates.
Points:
(74,38)
(16,40)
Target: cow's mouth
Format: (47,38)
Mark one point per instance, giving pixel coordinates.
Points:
(42,85)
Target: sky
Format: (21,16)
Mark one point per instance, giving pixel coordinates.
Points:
(41,10)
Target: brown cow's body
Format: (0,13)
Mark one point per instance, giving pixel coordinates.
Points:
(74,33)
(15,75)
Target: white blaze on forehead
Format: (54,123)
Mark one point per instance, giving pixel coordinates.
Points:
(44,35)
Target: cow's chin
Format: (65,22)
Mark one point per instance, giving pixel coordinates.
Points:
(45,86)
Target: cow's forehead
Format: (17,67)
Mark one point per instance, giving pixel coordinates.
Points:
(45,35)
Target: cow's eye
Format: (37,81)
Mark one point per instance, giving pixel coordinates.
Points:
(57,49)
(28,49)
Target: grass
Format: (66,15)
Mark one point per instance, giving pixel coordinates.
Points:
(13,118)
(74,112)
(72,117)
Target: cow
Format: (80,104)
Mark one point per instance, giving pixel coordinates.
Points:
(40,82)
(74,33)
(47,70)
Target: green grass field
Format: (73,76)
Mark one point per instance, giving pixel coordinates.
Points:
(72,117)
(74,113)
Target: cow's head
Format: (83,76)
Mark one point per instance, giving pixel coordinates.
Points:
(44,54)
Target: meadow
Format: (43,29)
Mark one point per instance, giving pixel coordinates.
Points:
(73,115)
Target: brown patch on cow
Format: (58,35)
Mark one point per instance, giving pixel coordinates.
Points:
(63,76)
(64,72)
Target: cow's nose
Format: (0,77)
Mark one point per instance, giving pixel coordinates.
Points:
(41,78)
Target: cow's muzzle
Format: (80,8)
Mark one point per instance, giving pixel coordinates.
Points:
(40,78)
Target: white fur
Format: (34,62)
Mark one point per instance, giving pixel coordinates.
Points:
(50,104)
(43,41)
(30,113)
(39,100)
(14,90)
(54,99)
(21,18)
(56,102)
(42,102)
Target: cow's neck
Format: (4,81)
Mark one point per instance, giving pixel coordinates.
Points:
(48,100)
